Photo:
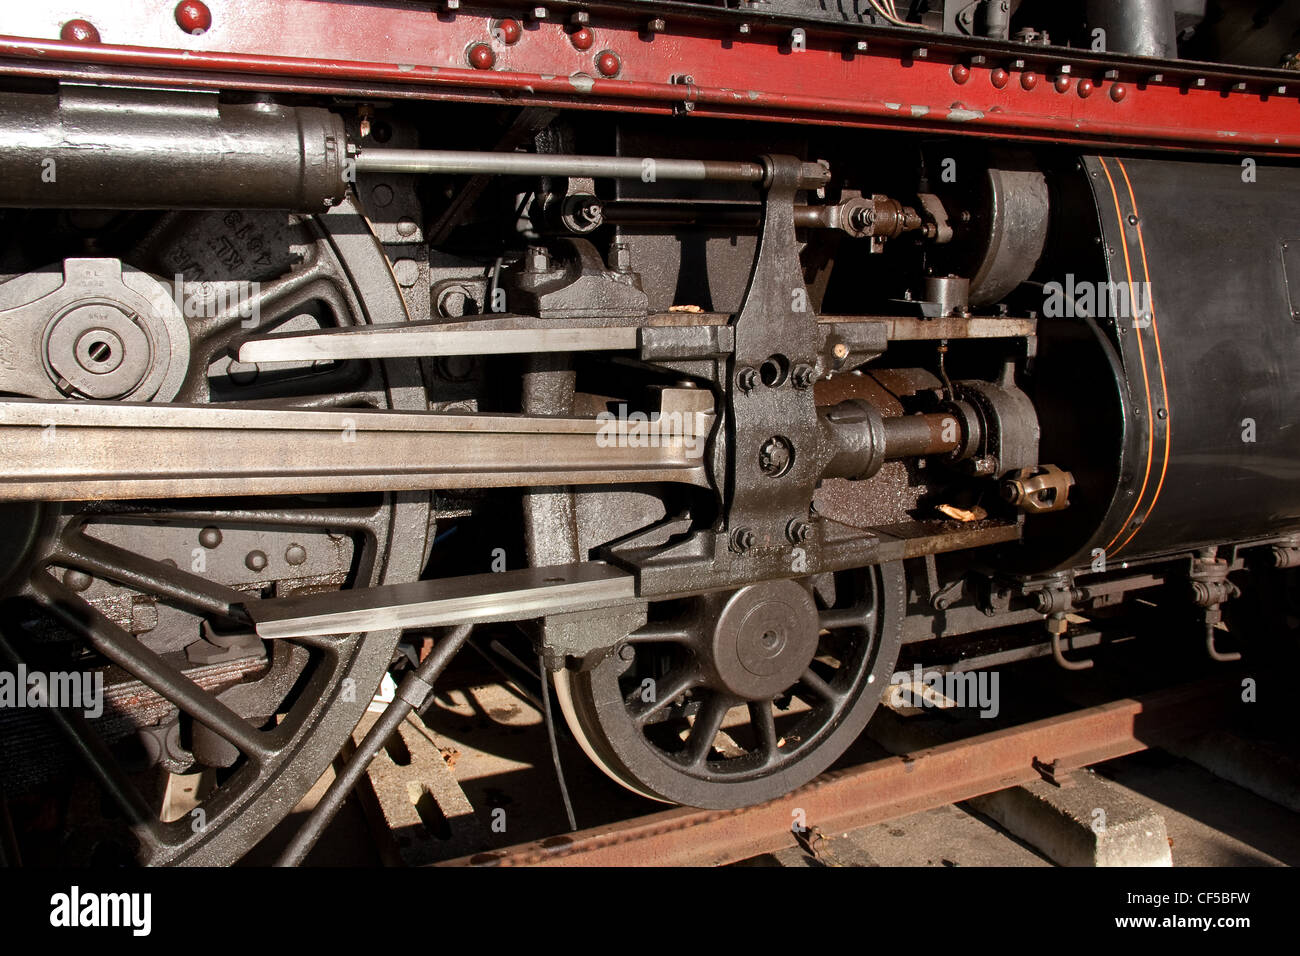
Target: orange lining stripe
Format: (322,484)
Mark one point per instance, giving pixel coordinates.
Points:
(1160,359)
(1146,383)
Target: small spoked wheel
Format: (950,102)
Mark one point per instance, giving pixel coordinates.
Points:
(730,699)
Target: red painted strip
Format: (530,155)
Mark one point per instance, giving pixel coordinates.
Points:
(418,50)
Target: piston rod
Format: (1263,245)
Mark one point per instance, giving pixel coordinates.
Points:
(470,163)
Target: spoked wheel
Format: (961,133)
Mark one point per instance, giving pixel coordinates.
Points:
(148,594)
(732,699)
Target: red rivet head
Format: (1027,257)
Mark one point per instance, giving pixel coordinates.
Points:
(1118,92)
(960,73)
(79,31)
(192,16)
(1085,88)
(481,56)
(1029,80)
(999,78)
(508,31)
(607,63)
(582,39)
(1062,83)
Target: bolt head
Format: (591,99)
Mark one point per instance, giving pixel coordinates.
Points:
(803,376)
(743,539)
(798,531)
(538,259)
(747,378)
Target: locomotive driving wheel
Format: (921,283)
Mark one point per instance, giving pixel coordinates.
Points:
(150,594)
(730,699)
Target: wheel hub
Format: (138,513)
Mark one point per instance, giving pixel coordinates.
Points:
(764,638)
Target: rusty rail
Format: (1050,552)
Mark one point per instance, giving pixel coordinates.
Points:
(884,789)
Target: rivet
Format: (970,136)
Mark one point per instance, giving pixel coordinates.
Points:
(481,56)
(582,39)
(508,31)
(1118,92)
(194,17)
(1062,83)
(608,63)
(255,561)
(75,580)
(1085,88)
(79,31)
(999,78)
(960,73)
(210,537)
(295,554)
(1029,80)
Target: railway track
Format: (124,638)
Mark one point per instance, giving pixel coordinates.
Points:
(886,789)
(426,810)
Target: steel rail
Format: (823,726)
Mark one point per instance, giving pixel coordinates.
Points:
(884,789)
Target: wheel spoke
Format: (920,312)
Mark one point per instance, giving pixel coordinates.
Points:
(764,723)
(274,515)
(272,299)
(814,682)
(146,666)
(705,729)
(666,690)
(134,570)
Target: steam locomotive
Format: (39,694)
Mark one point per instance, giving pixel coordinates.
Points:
(727,350)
